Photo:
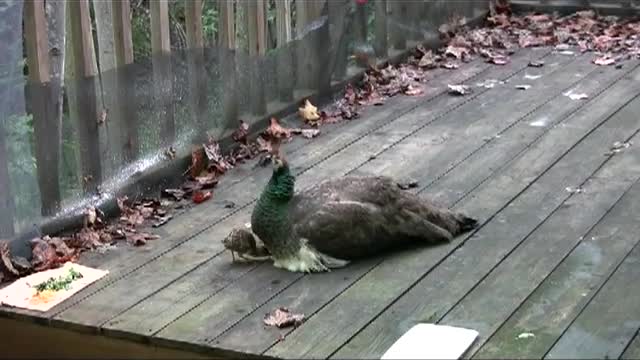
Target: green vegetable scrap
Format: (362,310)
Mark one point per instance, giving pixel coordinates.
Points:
(62,282)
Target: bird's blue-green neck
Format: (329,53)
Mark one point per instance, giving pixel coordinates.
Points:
(270,217)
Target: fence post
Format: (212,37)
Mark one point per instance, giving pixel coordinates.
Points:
(399,14)
(257,41)
(125,77)
(85,93)
(46,130)
(285,63)
(381,43)
(162,71)
(227,42)
(195,63)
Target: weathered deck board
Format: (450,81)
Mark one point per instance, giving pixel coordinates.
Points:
(609,322)
(205,245)
(260,340)
(633,350)
(445,285)
(502,155)
(510,282)
(562,295)
(241,184)
(351,158)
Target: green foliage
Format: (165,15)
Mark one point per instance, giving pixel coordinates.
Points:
(61,283)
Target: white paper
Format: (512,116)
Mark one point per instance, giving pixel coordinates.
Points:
(431,341)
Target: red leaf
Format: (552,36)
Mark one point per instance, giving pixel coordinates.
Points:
(201,196)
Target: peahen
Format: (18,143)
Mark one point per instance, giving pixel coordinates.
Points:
(342,219)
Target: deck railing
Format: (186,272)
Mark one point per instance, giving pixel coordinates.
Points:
(89,103)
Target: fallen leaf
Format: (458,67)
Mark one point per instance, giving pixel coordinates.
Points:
(532,77)
(450,65)
(198,163)
(241,133)
(604,60)
(526,335)
(5,254)
(406,185)
(309,133)
(499,60)
(177,194)
(309,113)
(161,220)
(282,317)
(412,90)
(536,63)
(459,89)
(523,87)
(574,96)
(207,180)
(201,196)
(275,130)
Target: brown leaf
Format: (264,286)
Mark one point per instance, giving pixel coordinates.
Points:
(207,180)
(282,317)
(241,133)
(309,113)
(427,60)
(275,130)
(5,254)
(604,60)
(177,194)
(198,163)
(201,196)
(413,90)
(216,159)
(264,145)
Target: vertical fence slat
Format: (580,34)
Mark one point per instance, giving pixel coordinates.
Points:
(162,71)
(46,131)
(227,39)
(340,23)
(380,19)
(312,58)
(85,93)
(196,70)
(285,63)
(399,13)
(256,39)
(125,77)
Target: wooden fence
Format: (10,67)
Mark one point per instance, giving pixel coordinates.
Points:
(306,49)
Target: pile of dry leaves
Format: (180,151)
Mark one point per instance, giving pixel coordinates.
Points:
(52,252)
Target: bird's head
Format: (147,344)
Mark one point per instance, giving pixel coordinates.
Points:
(282,181)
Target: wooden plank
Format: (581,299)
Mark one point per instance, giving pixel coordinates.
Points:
(348,159)
(397,34)
(261,341)
(571,131)
(85,94)
(124,260)
(43,105)
(381,38)
(256,39)
(227,38)
(249,179)
(495,195)
(499,294)
(510,144)
(65,344)
(36,41)
(123,40)
(221,230)
(561,75)
(162,71)
(570,286)
(196,70)
(284,48)
(123,44)
(610,321)
(633,350)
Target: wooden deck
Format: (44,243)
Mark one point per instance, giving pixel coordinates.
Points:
(558,264)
